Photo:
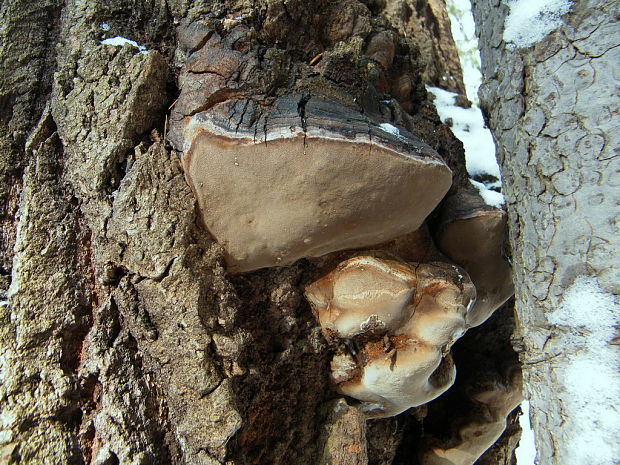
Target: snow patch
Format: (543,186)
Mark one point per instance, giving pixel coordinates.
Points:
(103,455)
(7,419)
(490,197)
(467,124)
(6,436)
(464,34)
(120,41)
(581,300)
(529,21)
(526,451)
(387,127)
(591,378)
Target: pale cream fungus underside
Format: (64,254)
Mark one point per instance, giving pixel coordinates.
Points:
(271,203)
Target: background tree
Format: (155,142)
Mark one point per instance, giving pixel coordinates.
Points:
(552,104)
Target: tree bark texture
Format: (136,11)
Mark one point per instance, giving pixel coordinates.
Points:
(427,22)
(123,338)
(553,109)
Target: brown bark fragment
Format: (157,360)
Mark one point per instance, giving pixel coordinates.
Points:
(427,21)
(343,440)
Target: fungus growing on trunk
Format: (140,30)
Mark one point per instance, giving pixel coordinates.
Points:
(472,235)
(402,318)
(473,435)
(309,178)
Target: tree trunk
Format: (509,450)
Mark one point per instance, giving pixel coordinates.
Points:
(123,338)
(552,106)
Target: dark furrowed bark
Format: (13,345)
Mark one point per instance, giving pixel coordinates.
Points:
(125,339)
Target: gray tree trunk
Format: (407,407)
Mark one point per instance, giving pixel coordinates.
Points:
(123,339)
(553,109)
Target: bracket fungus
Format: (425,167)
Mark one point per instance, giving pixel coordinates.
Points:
(401,319)
(493,401)
(472,234)
(317,177)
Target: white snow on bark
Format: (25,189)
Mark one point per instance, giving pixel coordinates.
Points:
(526,451)
(120,41)
(468,123)
(490,197)
(387,127)
(468,126)
(464,33)
(590,382)
(530,21)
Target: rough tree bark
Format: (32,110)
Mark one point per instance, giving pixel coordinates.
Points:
(123,338)
(553,109)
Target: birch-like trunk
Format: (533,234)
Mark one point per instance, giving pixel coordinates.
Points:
(553,108)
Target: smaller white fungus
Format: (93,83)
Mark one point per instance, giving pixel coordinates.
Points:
(529,21)
(387,127)
(120,41)
(105,27)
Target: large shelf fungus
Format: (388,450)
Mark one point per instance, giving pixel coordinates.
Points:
(402,319)
(298,175)
(304,182)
